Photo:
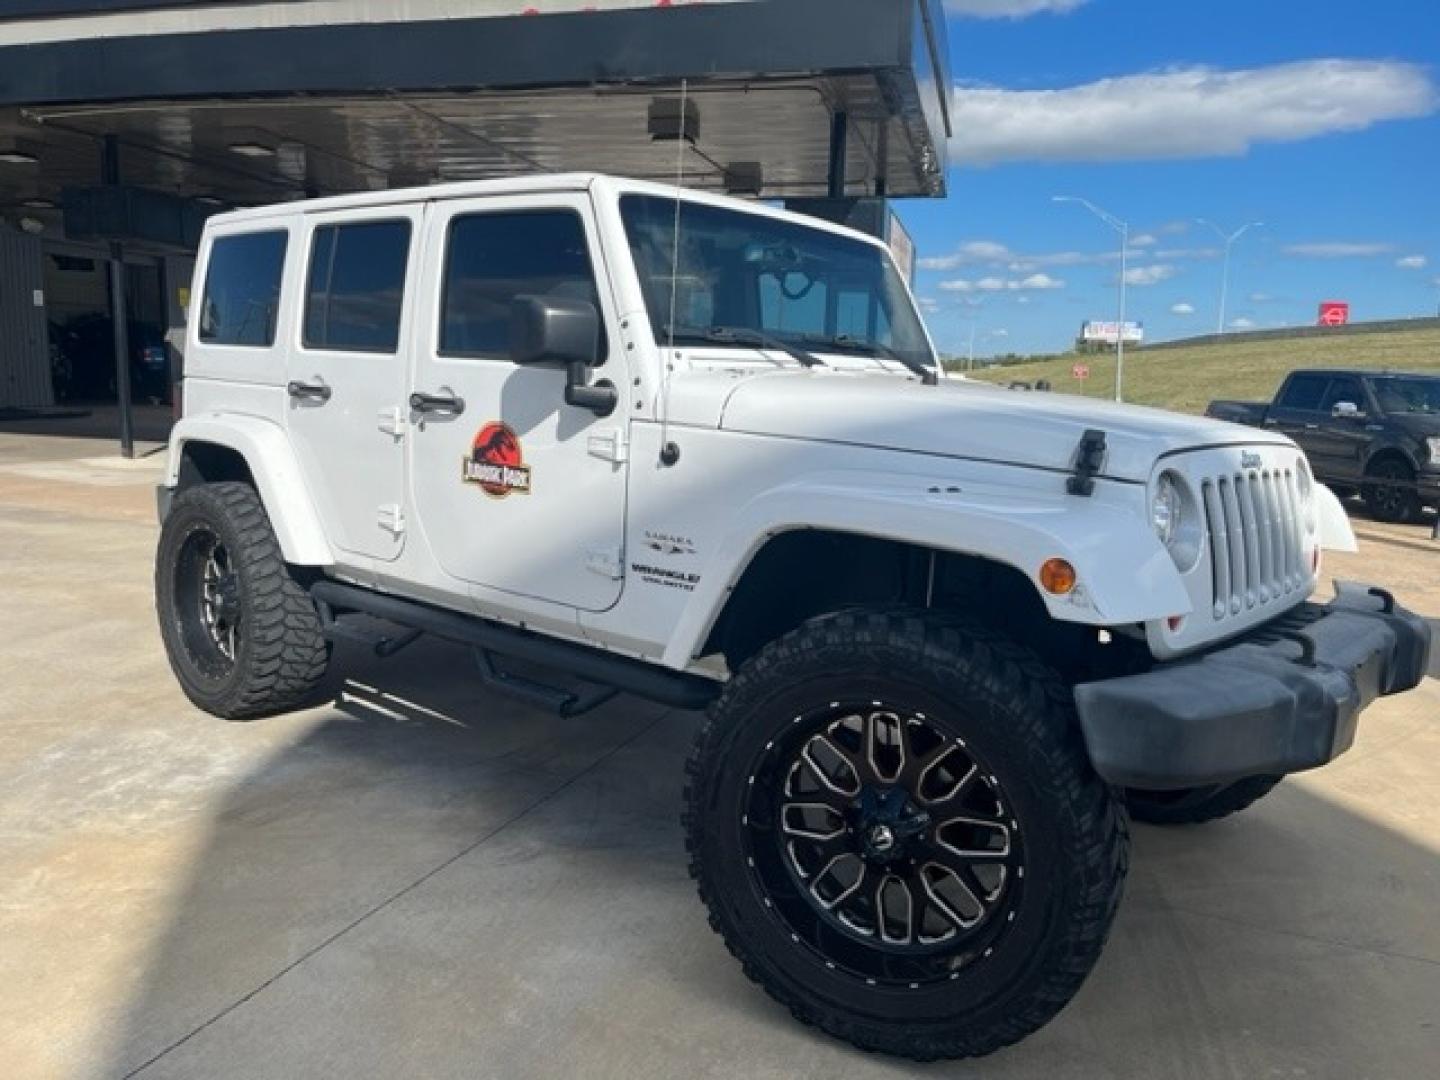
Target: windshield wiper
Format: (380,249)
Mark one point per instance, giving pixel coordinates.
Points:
(849,342)
(744,335)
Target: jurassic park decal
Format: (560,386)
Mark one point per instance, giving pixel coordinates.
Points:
(497,462)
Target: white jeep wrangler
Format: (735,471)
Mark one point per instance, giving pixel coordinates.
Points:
(700,451)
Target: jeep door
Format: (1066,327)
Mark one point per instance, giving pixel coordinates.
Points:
(515,490)
(347,371)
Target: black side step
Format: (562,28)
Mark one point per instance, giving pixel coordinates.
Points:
(562,701)
(586,663)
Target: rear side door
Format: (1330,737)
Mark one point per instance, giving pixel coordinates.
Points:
(515,490)
(348,370)
(1296,411)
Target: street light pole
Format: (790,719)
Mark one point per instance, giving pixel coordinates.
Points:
(1123,228)
(1229,240)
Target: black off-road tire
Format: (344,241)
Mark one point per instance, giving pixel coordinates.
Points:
(1392,499)
(1010,709)
(1196,806)
(280,650)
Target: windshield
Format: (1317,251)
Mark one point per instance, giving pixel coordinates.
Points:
(1402,395)
(744,272)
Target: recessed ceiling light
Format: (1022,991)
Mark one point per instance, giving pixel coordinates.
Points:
(252,149)
(18,157)
(38,204)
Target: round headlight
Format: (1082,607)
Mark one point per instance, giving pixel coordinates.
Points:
(1166,509)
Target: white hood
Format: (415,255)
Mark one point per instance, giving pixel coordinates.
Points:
(964,419)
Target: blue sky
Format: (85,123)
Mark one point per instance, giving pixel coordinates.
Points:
(1320,119)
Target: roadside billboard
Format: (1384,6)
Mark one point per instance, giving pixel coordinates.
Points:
(1108,333)
(1334,313)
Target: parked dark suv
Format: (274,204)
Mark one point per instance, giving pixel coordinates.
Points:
(1377,432)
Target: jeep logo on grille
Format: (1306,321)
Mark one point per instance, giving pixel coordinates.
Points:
(1249,459)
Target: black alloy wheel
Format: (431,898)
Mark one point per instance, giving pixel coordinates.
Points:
(885,842)
(893,821)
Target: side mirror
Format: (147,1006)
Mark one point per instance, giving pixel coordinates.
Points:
(554,330)
(563,331)
(1346,410)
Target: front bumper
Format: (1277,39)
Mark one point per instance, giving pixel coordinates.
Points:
(1284,698)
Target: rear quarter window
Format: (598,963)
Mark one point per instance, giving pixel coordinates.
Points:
(241,298)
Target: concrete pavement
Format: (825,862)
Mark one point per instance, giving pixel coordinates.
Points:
(420,879)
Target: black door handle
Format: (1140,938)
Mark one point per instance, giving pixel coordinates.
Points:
(316,391)
(437,403)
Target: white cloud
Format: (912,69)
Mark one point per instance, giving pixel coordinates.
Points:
(1338,249)
(1412,262)
(1260,298)
(1242,323)
(999,333)
(976,251)
(1186,112)
(1144,276)
(1033,283)
(1144,240)
(992,254)
(1009,9)
(1183,308)
(928,304)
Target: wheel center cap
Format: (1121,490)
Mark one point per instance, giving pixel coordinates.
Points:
(881,839)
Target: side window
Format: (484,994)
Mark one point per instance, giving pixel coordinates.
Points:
(356,286)
(1304,392)
(1343,389)
(242,289)
(491,259)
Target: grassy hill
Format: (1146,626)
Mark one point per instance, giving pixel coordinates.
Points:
(1186,379)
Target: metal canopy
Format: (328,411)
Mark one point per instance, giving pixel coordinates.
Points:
(330,109)
(297,147)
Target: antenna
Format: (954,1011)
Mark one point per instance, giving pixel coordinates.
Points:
(669,452)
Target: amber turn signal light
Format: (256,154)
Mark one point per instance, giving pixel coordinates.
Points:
(1058,577)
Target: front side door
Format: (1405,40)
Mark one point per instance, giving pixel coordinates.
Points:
(1296,411)
(1339,446)
(515,490)
(347,370)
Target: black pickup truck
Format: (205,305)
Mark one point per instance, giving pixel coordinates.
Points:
(1376,432)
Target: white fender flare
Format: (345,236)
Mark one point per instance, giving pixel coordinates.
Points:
(1334,524)
(1124,573)
(277,475)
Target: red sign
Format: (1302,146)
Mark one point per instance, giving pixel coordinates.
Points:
(1080,371)
(1334,313)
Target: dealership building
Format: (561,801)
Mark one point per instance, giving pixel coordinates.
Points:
(125,123)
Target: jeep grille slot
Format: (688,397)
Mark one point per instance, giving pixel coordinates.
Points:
(1252,525)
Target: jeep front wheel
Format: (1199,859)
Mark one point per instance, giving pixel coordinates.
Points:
(242,635)
(894,824)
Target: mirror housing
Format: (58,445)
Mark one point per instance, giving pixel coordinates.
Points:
(1346,410)
(554,330)
(564,331)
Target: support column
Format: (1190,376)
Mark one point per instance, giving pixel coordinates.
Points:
(110,176)
(839,146)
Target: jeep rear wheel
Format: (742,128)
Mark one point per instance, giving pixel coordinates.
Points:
(242,634)
(894,824)
(1195,806)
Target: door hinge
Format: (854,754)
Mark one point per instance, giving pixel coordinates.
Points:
(612,445)
(607,562)
(391,518)
(393,422)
